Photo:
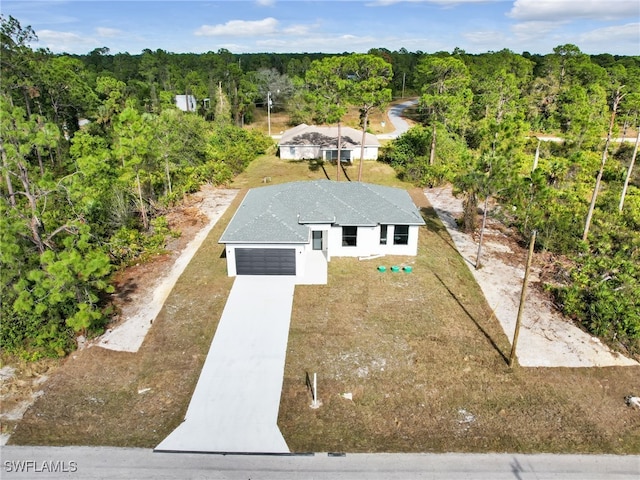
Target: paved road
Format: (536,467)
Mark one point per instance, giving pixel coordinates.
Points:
(395,116)
(88,463)
(234,407)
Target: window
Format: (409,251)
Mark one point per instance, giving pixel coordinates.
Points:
(332,155)
(349,236)
(383,234)
(317,239)
(401,235)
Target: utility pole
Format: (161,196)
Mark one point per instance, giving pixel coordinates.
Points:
(404,77)
(269,111)
(536,157)
(523,296)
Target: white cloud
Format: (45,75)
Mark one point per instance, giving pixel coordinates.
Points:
(602,37)
(384,3)
(297,30)
(560,10)
(266,3)
(321,43)
(527,31)
(238,28)
(484,37)
(108,32)
(63,41)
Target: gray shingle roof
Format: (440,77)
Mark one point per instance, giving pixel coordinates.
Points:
(278,213)
(326,137)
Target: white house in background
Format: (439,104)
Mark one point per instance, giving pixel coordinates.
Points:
(309,142)
(290,228)
(186,103)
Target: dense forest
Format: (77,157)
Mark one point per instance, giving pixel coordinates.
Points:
(94,152)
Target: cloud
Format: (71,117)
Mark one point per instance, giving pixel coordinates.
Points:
(108,32)
(322,43)
(63,41)
(239,28)
(531,31)
(297,30)
(385,3)
(484,37)
(629,33)
(266,3)
(565,10)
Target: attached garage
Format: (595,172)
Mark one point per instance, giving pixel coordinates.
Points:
(265,261)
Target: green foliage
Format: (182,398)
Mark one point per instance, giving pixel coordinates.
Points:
(236,148)
(75,201)
(57,295)
(594,297)
(409,155)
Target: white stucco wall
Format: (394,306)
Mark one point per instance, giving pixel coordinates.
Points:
(368,243)
(299,152)
(311,153)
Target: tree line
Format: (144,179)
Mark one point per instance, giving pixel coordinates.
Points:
(88,171)
(484,125)
(94,150)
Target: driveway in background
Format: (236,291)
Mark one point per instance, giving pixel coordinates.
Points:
(395,116)
(234,408)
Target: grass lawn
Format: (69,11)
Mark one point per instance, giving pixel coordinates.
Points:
(420,353)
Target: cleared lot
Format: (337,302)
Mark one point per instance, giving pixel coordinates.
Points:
(420,353)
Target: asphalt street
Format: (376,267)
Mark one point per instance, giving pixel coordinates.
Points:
(88,463)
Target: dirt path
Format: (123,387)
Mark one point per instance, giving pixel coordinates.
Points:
(546,338)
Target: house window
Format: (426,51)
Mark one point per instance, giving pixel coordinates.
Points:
(316,236)
(401,235)
(349,236)
(332,155)
(383,234)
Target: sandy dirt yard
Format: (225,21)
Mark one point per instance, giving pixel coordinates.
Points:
(547,339)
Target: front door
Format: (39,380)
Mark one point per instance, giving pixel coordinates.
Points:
(316,237)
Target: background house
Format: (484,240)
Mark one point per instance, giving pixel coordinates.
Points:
(186,103)
(297,227)
(308,142)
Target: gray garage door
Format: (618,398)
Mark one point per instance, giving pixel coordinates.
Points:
(265,261)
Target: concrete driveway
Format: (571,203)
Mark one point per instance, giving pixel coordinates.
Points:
(234,408)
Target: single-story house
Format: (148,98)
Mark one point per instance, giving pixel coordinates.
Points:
(186,103)
(290,228)
(309,142)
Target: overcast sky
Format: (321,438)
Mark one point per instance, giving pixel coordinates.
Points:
(331,26)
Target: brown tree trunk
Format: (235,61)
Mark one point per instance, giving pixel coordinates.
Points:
(143,210)
(596,189)
(35,224)
(7,177)
(628,177)
(364,136)
(484,224)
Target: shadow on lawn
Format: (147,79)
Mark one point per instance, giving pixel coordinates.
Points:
(434,224)
(484,332)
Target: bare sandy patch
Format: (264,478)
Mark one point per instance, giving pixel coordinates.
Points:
(547,339)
